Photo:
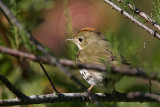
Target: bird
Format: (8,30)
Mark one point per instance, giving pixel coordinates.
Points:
(94,48)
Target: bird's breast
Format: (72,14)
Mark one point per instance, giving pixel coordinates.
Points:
(92,77)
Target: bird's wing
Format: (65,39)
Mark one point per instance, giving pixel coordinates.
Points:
(106,58)
(102,57)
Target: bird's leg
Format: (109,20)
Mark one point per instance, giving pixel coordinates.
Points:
(89,89)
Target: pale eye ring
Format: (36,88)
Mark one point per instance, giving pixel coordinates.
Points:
(80,39)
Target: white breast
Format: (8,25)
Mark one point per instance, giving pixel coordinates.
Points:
(92,80)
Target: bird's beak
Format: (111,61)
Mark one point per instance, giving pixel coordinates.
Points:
(71,40)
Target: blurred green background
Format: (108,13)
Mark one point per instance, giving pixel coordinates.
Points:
(51,22)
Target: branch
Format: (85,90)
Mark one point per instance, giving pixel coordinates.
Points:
(124,70)
(114,6)
(83,97)
(136,10)
(76,97)
(14,90)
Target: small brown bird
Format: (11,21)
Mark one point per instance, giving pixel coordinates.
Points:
(95,49)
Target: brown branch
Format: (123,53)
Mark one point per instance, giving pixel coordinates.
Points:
(124,70)
(136,10)
(14,90)
(114,6)
(83,97)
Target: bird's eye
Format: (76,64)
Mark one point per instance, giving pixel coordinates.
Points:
(80,39)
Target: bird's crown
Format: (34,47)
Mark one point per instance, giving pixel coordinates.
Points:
(89,29)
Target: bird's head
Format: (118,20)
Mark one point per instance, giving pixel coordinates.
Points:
(87,36)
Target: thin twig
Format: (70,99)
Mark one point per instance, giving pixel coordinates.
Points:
(144,46)
(150,86)
(114,6)
(21,96)
(48,78)
(83,97)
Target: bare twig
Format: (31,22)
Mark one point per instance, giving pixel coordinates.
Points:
(14,90)
(114,6)
(144,46)
(44,70)
(83,97)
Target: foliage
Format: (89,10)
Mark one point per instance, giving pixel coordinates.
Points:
(156,9)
